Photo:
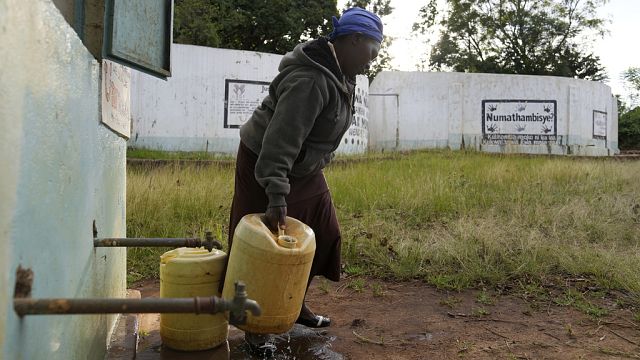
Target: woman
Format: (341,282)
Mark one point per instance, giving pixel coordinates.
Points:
(292,135)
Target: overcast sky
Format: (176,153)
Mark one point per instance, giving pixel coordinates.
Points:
(618,51)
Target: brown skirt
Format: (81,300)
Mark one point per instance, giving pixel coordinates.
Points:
(309,201)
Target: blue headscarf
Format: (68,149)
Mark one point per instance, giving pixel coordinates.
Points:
(357,20)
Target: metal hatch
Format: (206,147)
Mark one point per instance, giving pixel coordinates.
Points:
(138,34)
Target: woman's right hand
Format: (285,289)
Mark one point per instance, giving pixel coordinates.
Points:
(275,216)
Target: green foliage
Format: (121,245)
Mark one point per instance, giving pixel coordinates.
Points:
(266,26)
(631,77)
(629,129)
(197,22)
(537,37)
(622,106)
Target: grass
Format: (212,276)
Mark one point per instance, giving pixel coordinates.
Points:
(484,298)
(453,219)
(356,284)
(480,312)
(579,301)
(324,286)
(133,153)
(451,302)
(377,290)
(173,202)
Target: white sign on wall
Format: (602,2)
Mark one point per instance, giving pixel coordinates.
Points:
(355,140)
(525,122)
(116,104)
(241,98)
(599,125)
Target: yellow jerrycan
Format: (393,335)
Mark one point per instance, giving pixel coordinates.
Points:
(275,269)
(190,272)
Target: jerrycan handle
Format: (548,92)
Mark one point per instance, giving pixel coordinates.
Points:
(286,241)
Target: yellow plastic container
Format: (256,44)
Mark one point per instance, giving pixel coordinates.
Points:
(189,272)
(275,270)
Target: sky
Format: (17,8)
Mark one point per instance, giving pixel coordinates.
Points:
(618,50)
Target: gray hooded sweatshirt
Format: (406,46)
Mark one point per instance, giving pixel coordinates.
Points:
(300,123)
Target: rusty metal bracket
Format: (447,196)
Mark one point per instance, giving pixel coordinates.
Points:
(24,282)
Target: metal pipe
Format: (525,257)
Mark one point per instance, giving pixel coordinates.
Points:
(209,242)
(197,305)
(237,306)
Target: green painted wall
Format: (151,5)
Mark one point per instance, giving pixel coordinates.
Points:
(61,170)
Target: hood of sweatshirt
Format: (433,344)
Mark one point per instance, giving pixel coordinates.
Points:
(316,54)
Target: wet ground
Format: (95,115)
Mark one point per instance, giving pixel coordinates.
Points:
(300,343)
(410,320)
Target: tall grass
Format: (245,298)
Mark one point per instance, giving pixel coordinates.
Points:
(454,219)
(174,201)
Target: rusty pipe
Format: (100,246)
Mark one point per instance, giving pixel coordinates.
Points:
(197,305)
(236,307)
(209,242)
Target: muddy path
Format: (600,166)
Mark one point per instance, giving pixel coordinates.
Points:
(410,320)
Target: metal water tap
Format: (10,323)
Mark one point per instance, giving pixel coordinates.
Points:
(210,242)
(240,304)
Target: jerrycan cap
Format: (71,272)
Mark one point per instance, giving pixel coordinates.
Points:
(287,241)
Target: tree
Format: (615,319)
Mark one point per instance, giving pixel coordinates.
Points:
(274,26)
(380,8)
(629,120)
(631,76)
(536,37)
(629,130)
(195,22)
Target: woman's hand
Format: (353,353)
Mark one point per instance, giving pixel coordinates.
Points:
(275,216)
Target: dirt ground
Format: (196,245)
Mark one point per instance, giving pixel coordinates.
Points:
(411,320)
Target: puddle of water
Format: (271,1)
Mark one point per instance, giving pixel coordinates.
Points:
(301,343)
(150,348)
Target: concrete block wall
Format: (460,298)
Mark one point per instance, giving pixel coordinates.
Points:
(416,110)
(212,92)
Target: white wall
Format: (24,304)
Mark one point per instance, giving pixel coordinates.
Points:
(356,139)
(414,110)
(61,169)
(187,112)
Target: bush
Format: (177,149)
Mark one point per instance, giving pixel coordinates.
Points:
(629,129)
